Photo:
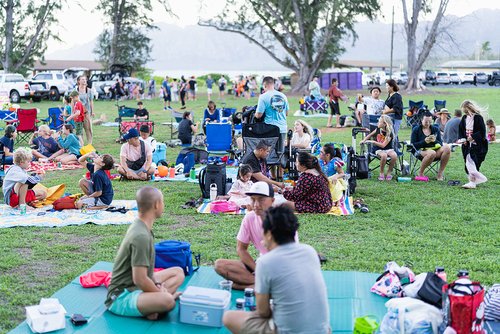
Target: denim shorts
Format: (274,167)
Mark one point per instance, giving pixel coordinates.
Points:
(126,304)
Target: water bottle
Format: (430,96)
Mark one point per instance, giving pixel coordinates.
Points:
(249,298)
(192,174)
(22,209)
(441,273)
(464,284)
(171,172)
(213,192)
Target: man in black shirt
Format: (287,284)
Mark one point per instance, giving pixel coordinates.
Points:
(192,88)
(141,113)
(257,160)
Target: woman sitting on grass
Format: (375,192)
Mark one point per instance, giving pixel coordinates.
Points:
(311,192)
(382,146)
(70,145)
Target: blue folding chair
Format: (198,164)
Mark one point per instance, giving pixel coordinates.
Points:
(438,105)
(55,121)
(219,138)
(415,113)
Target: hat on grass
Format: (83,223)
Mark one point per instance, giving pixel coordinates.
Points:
(132,133)
(261,189)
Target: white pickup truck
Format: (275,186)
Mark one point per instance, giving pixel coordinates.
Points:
(55,82)
(15,86)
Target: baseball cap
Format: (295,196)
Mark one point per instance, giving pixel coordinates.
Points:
(132,133)
(261,189)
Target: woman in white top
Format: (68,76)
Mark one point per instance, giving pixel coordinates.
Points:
(302,135)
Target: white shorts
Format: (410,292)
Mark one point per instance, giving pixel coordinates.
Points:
(92,201)
(209,90)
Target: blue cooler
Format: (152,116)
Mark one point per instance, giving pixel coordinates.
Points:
(203,306)
(160,153)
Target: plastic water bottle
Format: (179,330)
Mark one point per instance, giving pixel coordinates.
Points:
(171,172)
(192,174)
(213,192)
(441,273)
(249,298)
(22,209)
(465,284)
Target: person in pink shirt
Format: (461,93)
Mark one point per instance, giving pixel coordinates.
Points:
(241,271)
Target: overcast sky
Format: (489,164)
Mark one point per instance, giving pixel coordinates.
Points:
(78,26)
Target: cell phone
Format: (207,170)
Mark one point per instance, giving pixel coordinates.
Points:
(78,319)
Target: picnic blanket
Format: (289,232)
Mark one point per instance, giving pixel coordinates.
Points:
(37,167)
(40,217)
(349,297)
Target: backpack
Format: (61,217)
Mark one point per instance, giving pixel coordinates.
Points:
(65,203)
(174,253)
(213,173)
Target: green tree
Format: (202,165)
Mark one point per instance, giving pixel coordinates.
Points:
(126,41)
(302,35)
(25,29)
(485,50)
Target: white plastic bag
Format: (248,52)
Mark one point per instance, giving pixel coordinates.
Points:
(410,316)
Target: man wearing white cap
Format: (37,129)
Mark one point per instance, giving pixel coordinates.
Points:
(241,271)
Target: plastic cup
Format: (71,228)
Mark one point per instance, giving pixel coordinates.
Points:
(226,285)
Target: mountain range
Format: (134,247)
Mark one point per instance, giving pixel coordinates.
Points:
(203,48)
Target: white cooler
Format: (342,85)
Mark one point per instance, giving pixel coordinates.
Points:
(203,306)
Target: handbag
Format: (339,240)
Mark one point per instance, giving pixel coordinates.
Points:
(431,290)
(174,253)
(387,285)
(463,307)
(362,170)
(65,203)
(223,206)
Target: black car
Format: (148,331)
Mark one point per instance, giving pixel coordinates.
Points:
(494,79)
(430,77)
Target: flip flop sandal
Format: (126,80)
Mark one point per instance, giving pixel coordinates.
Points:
(388,177)
(381,178)
(453,183)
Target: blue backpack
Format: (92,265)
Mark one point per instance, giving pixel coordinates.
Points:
(174,253)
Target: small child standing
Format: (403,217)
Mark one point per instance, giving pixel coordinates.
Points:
(77,115)
(18,185)
(492,130)
(67,110)
(98,190)
(243,184)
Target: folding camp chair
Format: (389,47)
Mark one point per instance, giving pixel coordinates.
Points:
(55,119)
(416,160)
(415,113)
(438,105)
(126,121)
(219,138)
(8,115)
(399,167)
(26,124)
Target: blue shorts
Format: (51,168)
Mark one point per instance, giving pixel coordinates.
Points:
(126,304)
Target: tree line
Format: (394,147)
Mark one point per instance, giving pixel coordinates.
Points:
(302,35)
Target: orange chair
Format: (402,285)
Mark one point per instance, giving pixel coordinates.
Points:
(26,124)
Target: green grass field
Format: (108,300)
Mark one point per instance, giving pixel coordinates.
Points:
(426,224)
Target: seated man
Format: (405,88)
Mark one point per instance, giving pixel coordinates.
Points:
(241,272)
(426,138)
(135,157)
(290,274)
(18,185)
(451,128)
(135,290)
(98,190)
(257,160)
(141,114)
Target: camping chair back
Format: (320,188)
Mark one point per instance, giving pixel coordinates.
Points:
(219,136)
(124,111)
(316,141)
(26,123)
(254,133)
(55,118)
(439,104)
(178,116)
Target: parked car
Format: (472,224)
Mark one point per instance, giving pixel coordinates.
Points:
(56,83)
(286,80)
(429,78)
(19,88)
(400,77)
(443,78)
(494,79)
(466,77)
(455,78)
(104,83)
(481,77)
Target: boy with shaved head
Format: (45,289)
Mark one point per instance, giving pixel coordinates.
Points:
(135,290)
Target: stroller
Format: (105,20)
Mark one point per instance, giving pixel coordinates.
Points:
(357,165)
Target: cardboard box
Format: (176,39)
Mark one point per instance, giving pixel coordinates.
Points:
(203,306)
(48,316)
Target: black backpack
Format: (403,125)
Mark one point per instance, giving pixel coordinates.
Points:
(213,173)
(200,155)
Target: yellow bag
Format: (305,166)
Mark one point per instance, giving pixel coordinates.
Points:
(53,193)
(87,149)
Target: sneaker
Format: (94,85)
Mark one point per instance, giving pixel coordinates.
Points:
(169,108)
(164,108)
(470,185)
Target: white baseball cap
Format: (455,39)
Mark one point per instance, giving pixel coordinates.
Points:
(261,189)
